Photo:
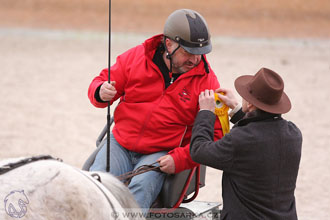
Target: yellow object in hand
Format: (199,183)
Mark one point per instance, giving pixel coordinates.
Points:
(221,110)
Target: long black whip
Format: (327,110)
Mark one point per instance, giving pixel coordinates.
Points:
(108,114)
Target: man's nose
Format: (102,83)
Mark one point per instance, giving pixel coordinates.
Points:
(195,58)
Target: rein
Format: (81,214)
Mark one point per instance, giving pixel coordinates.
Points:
(10,166)
(127,177)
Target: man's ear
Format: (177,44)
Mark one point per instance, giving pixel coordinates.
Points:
(168,44)
(250,106)
(171,45)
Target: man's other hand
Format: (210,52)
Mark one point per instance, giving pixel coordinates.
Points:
(166,164)
(228,98)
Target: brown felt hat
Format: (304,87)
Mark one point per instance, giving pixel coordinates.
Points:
(264,90)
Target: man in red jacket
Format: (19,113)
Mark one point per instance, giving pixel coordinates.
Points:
(158,84)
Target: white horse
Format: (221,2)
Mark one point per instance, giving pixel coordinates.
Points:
(49,189)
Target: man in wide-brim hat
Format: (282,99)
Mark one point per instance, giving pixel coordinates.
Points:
(260,156)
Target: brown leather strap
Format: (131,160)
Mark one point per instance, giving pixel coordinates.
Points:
(126,177)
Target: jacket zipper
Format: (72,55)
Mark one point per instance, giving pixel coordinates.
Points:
(146,122)
(184,133)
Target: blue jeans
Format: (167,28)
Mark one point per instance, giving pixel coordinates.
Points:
(144,187)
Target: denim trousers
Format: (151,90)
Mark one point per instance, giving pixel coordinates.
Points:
(144,187)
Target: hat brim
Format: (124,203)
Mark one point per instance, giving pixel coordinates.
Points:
(198,50)
(281,107)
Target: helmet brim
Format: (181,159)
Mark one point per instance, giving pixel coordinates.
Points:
(198,50)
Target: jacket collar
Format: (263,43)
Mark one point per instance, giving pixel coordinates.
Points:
(258,115)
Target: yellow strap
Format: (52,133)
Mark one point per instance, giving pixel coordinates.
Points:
(221,110)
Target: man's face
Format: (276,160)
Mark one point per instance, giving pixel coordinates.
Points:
(244,106)
(247,107)
(182,61)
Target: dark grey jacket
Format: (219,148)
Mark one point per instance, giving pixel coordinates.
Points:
(260,161)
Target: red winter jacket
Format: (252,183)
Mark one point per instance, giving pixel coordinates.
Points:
(150,118)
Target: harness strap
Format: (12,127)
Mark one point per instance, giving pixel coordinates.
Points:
(127,177)
(103,189)
(10,166)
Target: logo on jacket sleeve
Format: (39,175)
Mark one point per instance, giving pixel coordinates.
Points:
(184,95)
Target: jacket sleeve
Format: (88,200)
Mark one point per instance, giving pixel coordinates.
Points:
(182,159)
(118,74)
(237,116)
(217,154)
(181,155)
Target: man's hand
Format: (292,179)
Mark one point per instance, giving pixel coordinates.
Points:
(206,100)
(228,98)
(166,164)
(108,91)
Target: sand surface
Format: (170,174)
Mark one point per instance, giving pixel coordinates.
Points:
(46,65)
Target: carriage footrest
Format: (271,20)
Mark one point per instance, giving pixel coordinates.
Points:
(203,210)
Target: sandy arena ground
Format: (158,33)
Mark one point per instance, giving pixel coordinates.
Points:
(45,70)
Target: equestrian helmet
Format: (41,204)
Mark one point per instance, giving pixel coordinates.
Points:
(189,29)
